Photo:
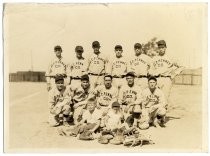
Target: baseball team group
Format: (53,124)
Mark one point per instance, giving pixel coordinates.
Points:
(109,98)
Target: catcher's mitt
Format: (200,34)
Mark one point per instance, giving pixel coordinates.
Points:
(137,140)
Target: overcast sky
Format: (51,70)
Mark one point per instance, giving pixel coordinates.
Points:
(34,29)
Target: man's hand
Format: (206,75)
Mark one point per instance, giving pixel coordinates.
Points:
(48,87)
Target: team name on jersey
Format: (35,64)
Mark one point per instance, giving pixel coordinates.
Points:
(59,98)
(94,59)
(152,98)
(58,64)
(79,63)
(130,92)
(161,61)
(119,62)
(106,94)
(136,61)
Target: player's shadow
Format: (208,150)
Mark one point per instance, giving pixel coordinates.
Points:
(168,118)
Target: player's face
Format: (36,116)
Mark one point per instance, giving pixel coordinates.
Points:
(118,52)
(152,84)
(115,109)
(60,84)
(161,50)
(91,106)
(79,54)
(107,82)
(85,84)
(130,80)
(58,53)
(96,49)
(137,51)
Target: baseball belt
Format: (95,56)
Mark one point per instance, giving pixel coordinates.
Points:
(96,74)
(142,76)
(120,76)
(75,78)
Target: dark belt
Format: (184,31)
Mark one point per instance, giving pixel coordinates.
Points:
(121,76)
(165,76)
(75,78)
(96,74)
(142,76)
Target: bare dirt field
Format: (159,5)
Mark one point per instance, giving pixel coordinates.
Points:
(28,129)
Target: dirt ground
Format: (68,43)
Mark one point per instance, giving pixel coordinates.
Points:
(28,129)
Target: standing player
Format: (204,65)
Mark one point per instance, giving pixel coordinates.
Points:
(96,65)
(164,69)
(56,66)
(153,106)
(58,102)
(118,67)
(77,68)
(130,95)
(140,65)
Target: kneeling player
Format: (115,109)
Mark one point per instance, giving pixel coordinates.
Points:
(153,106)
(58,103)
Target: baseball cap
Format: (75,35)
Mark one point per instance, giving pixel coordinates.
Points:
(108,75)
(137,45)
(59,77)
(161,43)
(118,47)
(85,77)
(152,78)
(115,104)
(96,44)
(130,74)
(79,49)
(57,48)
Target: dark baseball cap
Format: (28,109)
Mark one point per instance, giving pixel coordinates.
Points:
(130,74)
(85,77)
(108,75)
(79,49)
(118,47)
(59,77)
(137,46)
(161,43)
(57,48)
(115,104)
(96,44)
(152,78)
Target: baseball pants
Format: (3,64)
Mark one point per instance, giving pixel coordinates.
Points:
(149,114)
(96,80)
(142,82)
(118,82)
(56,112)
(165,84)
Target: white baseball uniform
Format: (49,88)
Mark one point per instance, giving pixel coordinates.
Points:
(56,66)
(75,70)
(162,67)
(58,102)
(96,68)
(140,66)
(129,95)
(153,104)
(79,97)
(118,69)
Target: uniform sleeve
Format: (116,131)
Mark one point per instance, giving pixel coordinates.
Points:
(88,64)
(120,97)
(139,98)
(144,98)
(162,100)
(51,99)
(48,72)
(106,65)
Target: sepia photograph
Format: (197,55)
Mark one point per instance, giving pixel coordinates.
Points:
(105,77)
